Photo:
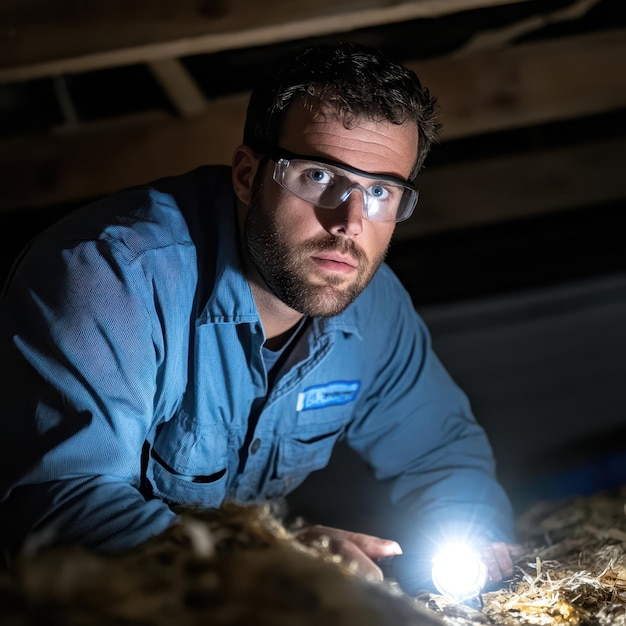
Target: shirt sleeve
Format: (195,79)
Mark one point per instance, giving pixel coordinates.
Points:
(416,429)
(83,342)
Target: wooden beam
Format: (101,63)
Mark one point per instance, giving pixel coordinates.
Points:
(519,185)
(528,84)
(180,86)
(497,38)
(101,158)
(454,196)
(42,39)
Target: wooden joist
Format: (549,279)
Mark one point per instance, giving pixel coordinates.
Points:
(452,196)
(528,84)
(41,39)
(180,86)
(519,185)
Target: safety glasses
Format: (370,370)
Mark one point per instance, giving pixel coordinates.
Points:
(327,184)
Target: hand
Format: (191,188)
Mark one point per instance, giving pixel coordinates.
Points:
(357,550)
(498,557)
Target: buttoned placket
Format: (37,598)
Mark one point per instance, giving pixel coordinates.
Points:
(254,480)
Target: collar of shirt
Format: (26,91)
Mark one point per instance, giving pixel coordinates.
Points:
(231,299)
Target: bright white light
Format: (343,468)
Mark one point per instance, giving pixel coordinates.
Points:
(459,572)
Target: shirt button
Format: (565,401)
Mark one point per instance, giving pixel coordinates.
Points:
(256,444)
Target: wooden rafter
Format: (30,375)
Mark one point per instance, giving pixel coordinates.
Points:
(100,158)
(79,37)
(519,185)
(179,86)
(497,38)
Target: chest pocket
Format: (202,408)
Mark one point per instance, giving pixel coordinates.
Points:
(188,464)
(323,413)
(309,445)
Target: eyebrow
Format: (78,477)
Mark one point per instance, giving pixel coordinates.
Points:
(279,153)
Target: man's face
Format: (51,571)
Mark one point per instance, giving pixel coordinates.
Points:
(316,260)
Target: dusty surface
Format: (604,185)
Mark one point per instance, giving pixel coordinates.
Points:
(236,566)
(240,566)
(573,570)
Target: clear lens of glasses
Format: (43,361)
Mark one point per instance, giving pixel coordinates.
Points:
(328,186)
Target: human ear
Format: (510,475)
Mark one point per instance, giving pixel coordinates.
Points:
(244,168)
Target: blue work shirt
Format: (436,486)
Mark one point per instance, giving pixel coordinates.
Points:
(133,379)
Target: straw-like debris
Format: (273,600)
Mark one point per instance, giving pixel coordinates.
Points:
(236,566)
(241,566)
(573,570)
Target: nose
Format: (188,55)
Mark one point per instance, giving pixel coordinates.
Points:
(348,216)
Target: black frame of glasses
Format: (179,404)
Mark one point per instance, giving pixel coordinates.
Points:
(281,153)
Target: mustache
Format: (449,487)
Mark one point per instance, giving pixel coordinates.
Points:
(341,245)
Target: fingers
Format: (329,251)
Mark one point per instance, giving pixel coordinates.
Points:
(375,547)
(357,549)
(503,559)
(498,558)
(358,561)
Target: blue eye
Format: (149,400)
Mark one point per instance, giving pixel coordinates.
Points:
(378,191)
(320,176)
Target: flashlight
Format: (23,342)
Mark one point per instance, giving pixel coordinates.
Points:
(458,572)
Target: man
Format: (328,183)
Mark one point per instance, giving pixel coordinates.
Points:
(211,336)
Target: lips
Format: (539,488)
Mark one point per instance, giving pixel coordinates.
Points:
(334,262)
(337,258)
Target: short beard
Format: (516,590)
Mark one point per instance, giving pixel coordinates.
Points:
(282,265)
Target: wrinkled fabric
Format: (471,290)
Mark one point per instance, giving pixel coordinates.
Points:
(133,379)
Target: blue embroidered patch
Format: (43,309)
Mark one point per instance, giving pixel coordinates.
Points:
(329,394)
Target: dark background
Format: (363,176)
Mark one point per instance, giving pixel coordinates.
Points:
(527,313)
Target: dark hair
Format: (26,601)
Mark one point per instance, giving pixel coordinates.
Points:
(356,81)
